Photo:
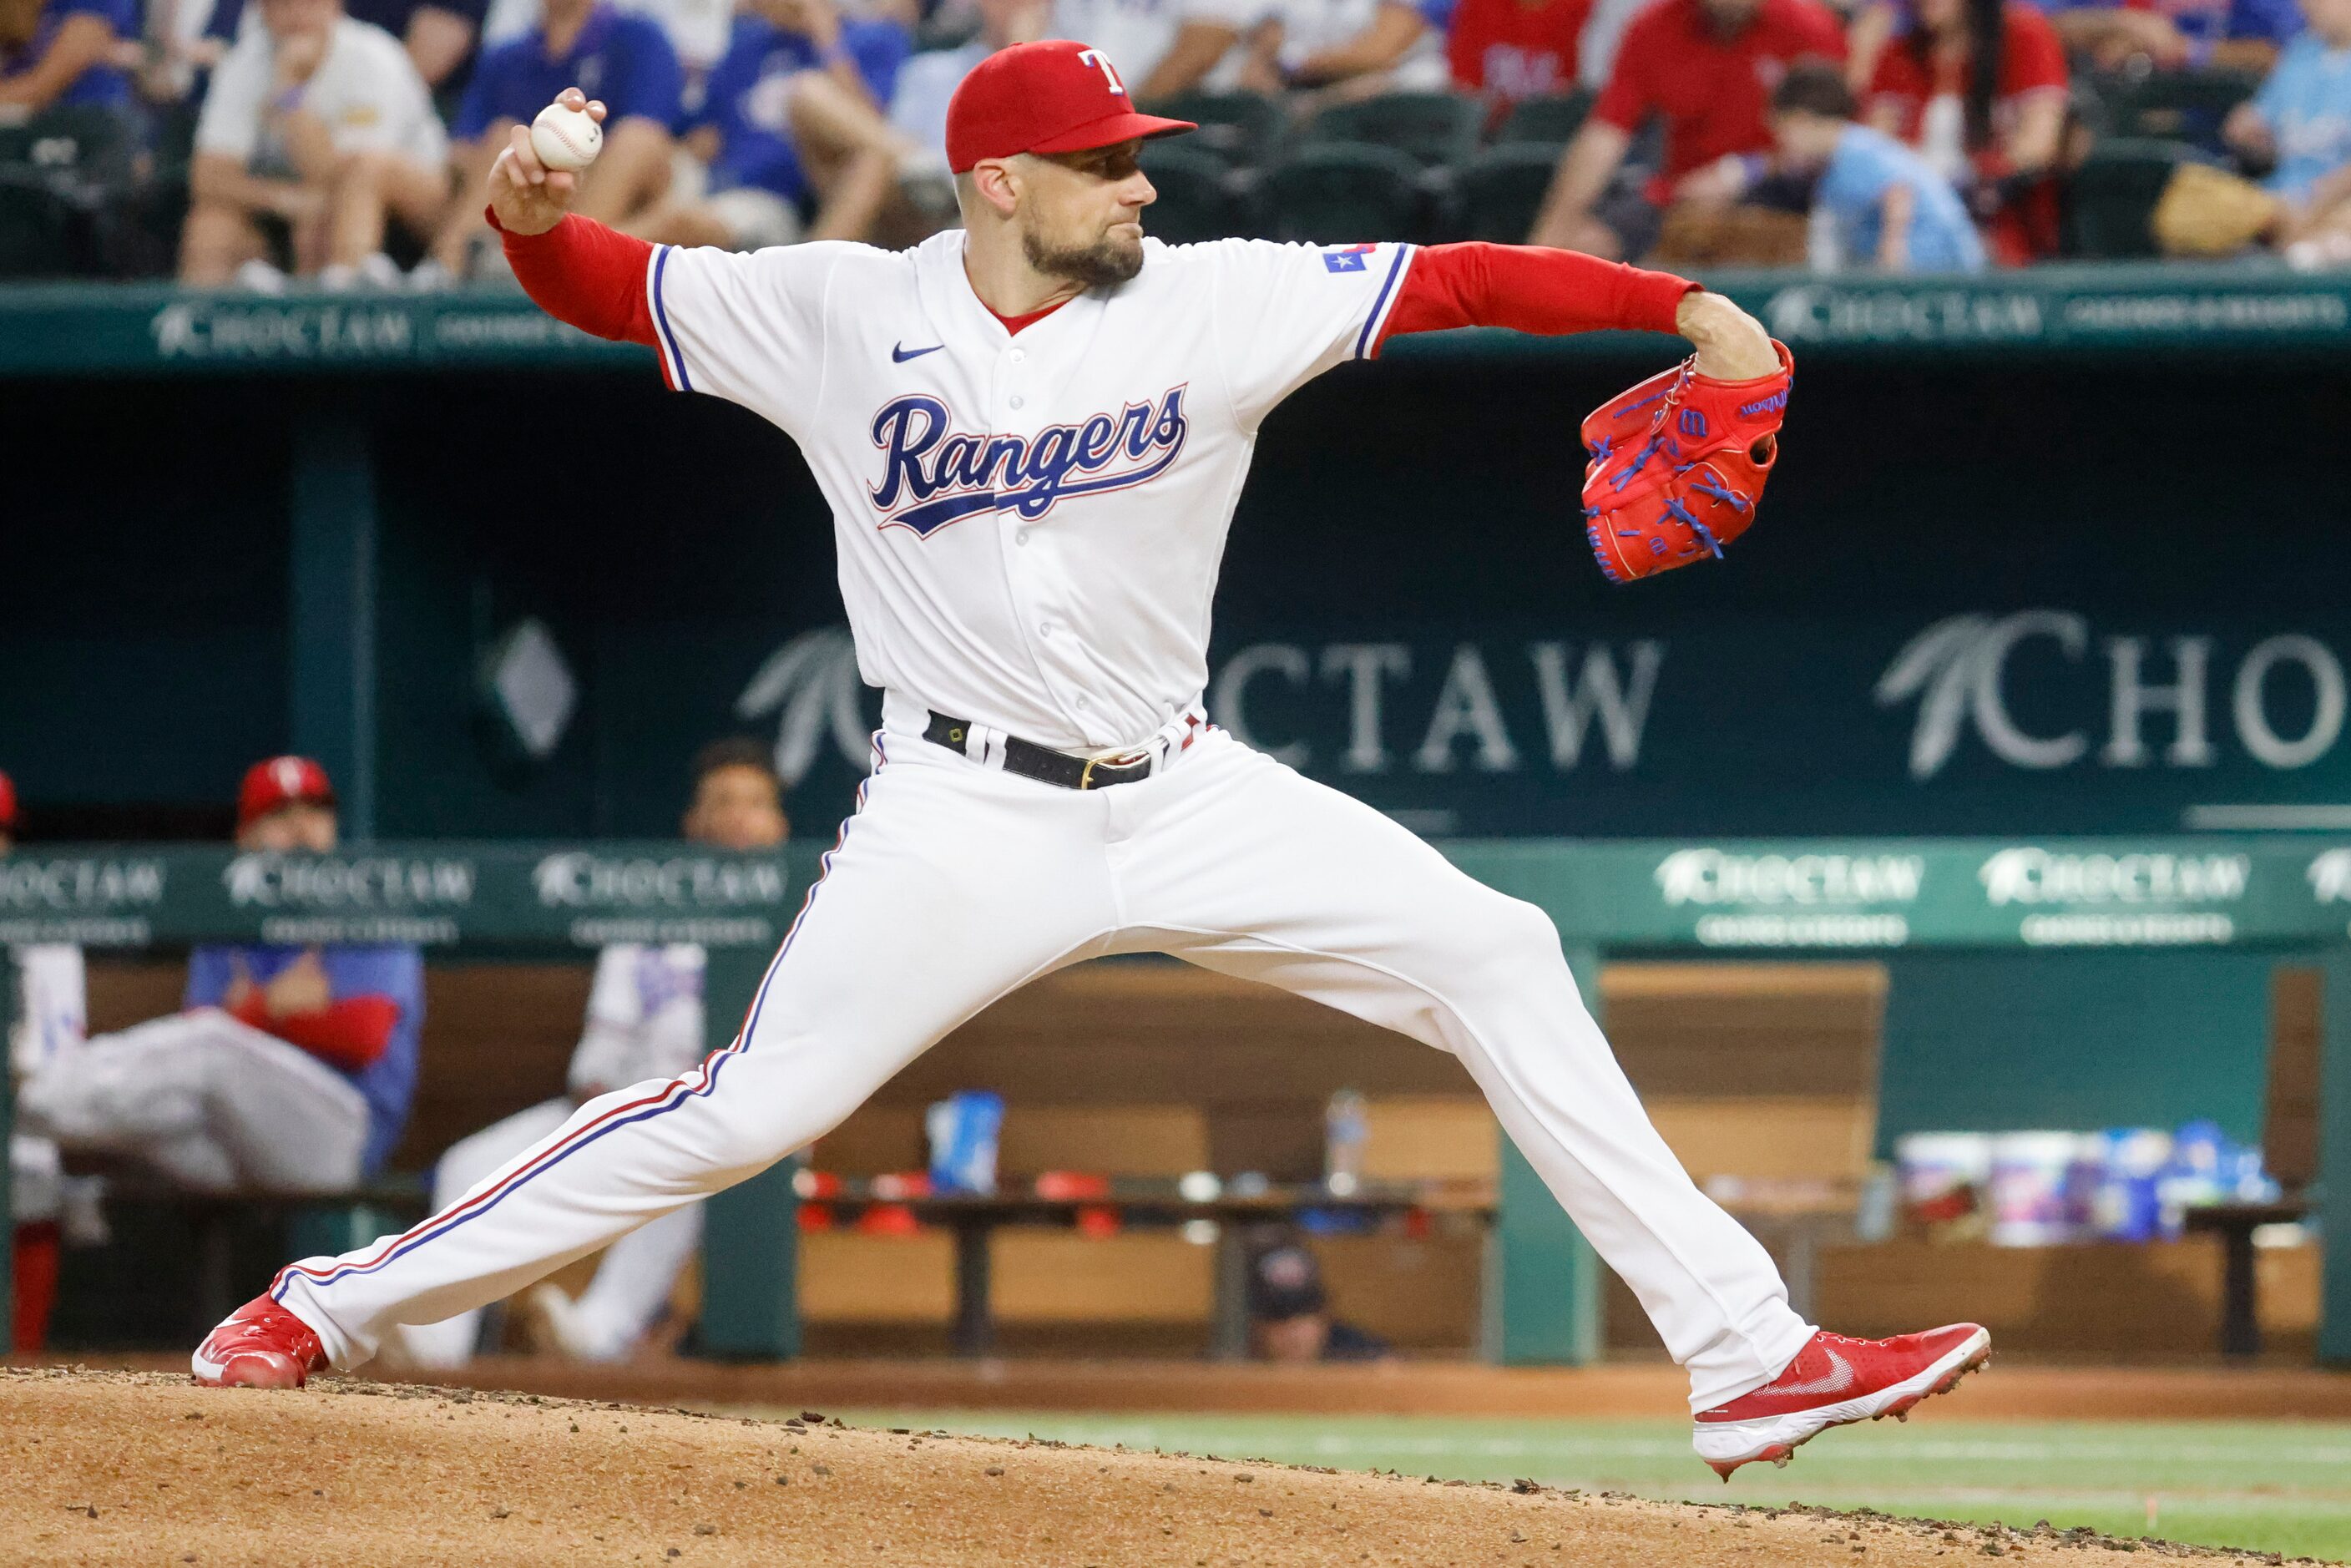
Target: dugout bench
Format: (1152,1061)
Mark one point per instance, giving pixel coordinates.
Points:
(1623,898)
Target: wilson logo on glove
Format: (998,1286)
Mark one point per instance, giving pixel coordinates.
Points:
(1678,464)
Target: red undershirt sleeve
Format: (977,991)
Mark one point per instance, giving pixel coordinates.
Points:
(1531,289)
(349,1034)
(586,276)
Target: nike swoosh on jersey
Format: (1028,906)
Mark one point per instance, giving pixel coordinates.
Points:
(1835,1382)
(900,354)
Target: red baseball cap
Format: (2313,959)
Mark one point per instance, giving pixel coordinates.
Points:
(7,804)
(282,781)
(1052,95)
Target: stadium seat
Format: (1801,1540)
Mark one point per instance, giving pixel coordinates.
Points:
(2113,196)
(1503,189)
(1553,119)
(1430,128)
(36,230)
(1244,128)
(1197,196)
(2172,106)
(1342,194)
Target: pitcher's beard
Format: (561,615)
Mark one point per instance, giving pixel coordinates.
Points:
(1105,261)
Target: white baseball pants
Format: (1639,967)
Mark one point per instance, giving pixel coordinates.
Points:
(213,1103)
(631,1284)
(956,883)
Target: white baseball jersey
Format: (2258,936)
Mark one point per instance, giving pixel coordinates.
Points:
(1030,526)
(53,1005)
(644,1016)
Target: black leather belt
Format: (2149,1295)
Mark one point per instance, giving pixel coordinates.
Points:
(1042,762)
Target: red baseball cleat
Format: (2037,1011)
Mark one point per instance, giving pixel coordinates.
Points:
(259,1345)
(1833,1382)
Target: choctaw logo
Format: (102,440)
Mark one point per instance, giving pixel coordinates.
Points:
(932,477)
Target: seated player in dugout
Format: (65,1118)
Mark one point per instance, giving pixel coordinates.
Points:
(1289,1311)
(645,1022)
(792,116)
(641,86)
(317,126)
(288,1068)
(1030,531)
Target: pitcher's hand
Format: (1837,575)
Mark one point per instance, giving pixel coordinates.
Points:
(529,198)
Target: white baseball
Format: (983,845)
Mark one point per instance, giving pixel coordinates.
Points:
(565,138)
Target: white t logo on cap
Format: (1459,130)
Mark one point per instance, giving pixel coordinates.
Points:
(1096,59)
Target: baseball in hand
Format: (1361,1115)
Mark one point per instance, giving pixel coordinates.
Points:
(566,139)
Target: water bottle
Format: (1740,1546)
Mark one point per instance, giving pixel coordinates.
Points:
(1345,1129)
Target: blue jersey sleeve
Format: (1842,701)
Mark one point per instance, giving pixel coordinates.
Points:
(646,80)
(880,49)
(2278,21)
(209,976)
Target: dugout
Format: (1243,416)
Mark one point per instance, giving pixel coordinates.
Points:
(1985,602)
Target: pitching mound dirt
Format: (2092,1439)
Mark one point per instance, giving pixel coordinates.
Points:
(99,1466)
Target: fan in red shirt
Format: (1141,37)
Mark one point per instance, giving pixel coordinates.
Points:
(1980,87)
(1706,68)
(1505,50)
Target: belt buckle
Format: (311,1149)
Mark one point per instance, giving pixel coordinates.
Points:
(1086,775)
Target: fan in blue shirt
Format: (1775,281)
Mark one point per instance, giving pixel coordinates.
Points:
(2301,119)
(624,60)
(792,119)
(68,59)
(1887,205)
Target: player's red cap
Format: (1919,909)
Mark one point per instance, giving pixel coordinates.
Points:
(1052,95)
(282,781)
(7,804)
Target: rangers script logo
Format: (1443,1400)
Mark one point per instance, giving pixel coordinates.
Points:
(931,477)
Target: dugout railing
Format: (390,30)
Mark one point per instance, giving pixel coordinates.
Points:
(1781,900)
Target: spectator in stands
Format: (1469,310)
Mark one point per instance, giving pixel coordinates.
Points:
(1886,208)
(645,1022)
(793,110)
(60,53)
(48,1206)
(290,1069)
(1506,50)
(318,124)
(1138,36)
(2299,125)
(439,35)
(2176,35)
(1701,66)
(1334,50)
(918,105)
(1980,87)
(623,59)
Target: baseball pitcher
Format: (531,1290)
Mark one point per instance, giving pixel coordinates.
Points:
(1031,431)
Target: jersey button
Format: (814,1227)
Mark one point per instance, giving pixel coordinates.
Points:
(1018,355)
(1017,399)
(1022,538)
(1044,628)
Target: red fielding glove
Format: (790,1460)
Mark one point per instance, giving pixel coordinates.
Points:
(1678,464)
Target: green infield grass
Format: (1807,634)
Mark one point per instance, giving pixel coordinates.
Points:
(2263,1485)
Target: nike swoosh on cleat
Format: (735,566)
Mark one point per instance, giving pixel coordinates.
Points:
(900,354)
(1834,1383)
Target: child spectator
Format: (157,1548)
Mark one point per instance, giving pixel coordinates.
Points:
(1885,207)
(1505,50)
(1701,66)
(794,106)
(1980,87)
(2176,35)
(2300,122)
(625,61)
(321,123)
(59,53)
(288,1068)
